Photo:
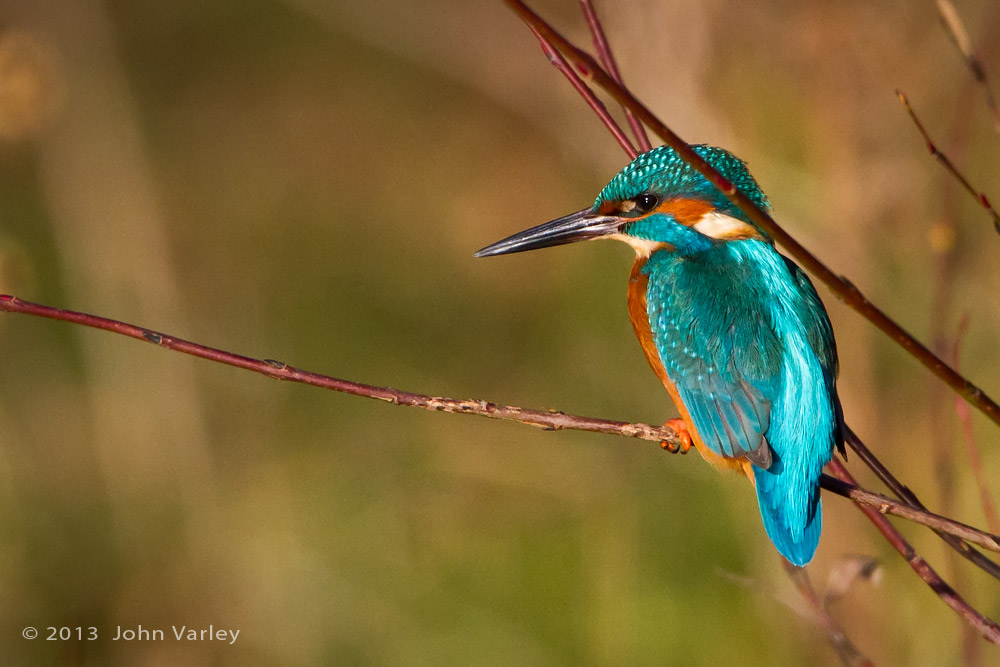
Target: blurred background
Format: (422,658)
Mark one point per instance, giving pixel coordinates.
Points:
(307,181)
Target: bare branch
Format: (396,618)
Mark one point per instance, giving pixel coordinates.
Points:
(608,60)
(550,420)
(886,505)
(843,288)
(985,626)
(846,650)
(969,437)
(960,38)
(910,498)
(560,64)
(947,164)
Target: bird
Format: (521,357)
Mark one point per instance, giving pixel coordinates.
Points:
(734,330)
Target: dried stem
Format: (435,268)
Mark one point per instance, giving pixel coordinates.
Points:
(947,164)
(960,38)
(560,64)
(842,287)
(936,522)
(846,650)
(608,60)
(985,626)
(969,437)
(910,498)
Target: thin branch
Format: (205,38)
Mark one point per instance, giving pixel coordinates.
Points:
(886,505)
(560,64)
(985,626)
(947,164)
(550,420)
(960,38)
(608,60)
(907,496)
(969,437)
(840,286)
(845,648)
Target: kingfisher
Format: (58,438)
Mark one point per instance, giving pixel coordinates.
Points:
(733,329)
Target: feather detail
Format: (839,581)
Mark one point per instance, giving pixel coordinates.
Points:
(747,346)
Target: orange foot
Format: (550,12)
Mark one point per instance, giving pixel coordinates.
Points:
(682,432)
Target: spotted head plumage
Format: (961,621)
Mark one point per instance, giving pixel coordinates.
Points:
(665,174)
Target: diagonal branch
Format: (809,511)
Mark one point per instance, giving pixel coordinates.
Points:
(947,163)
(907,496)
(608,60)
(560,64)
(843,288)
(936,522)
(960,38)
(985,626)
(969,438)
(842,644)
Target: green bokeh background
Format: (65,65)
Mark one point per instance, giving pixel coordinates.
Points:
(307,180)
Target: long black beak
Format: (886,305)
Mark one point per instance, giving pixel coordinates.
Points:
(579,226)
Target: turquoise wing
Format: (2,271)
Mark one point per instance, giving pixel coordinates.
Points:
(721,352)
(745,339)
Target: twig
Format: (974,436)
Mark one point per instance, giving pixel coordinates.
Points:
(969,437)
(886,505)
(960,38)
(846,650)
(550,420)
(608,60)
(947,164)
(560,64)
(840,286)
(910,498)
(985,626)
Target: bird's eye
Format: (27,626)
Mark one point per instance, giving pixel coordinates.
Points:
(646,202)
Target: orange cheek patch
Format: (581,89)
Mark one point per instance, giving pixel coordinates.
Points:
(685,211)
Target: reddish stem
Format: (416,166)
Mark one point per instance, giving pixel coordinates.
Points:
(985,626)
(976,195)
(608,60)
(969,438)
(560,64)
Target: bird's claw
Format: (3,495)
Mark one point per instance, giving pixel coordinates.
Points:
(682,447)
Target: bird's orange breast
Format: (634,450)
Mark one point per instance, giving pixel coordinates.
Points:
(637,286)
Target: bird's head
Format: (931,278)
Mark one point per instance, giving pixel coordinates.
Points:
(657,201)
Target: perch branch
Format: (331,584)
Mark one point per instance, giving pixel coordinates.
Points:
(550,420)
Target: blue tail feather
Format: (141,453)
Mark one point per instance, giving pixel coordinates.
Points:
(794,534)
